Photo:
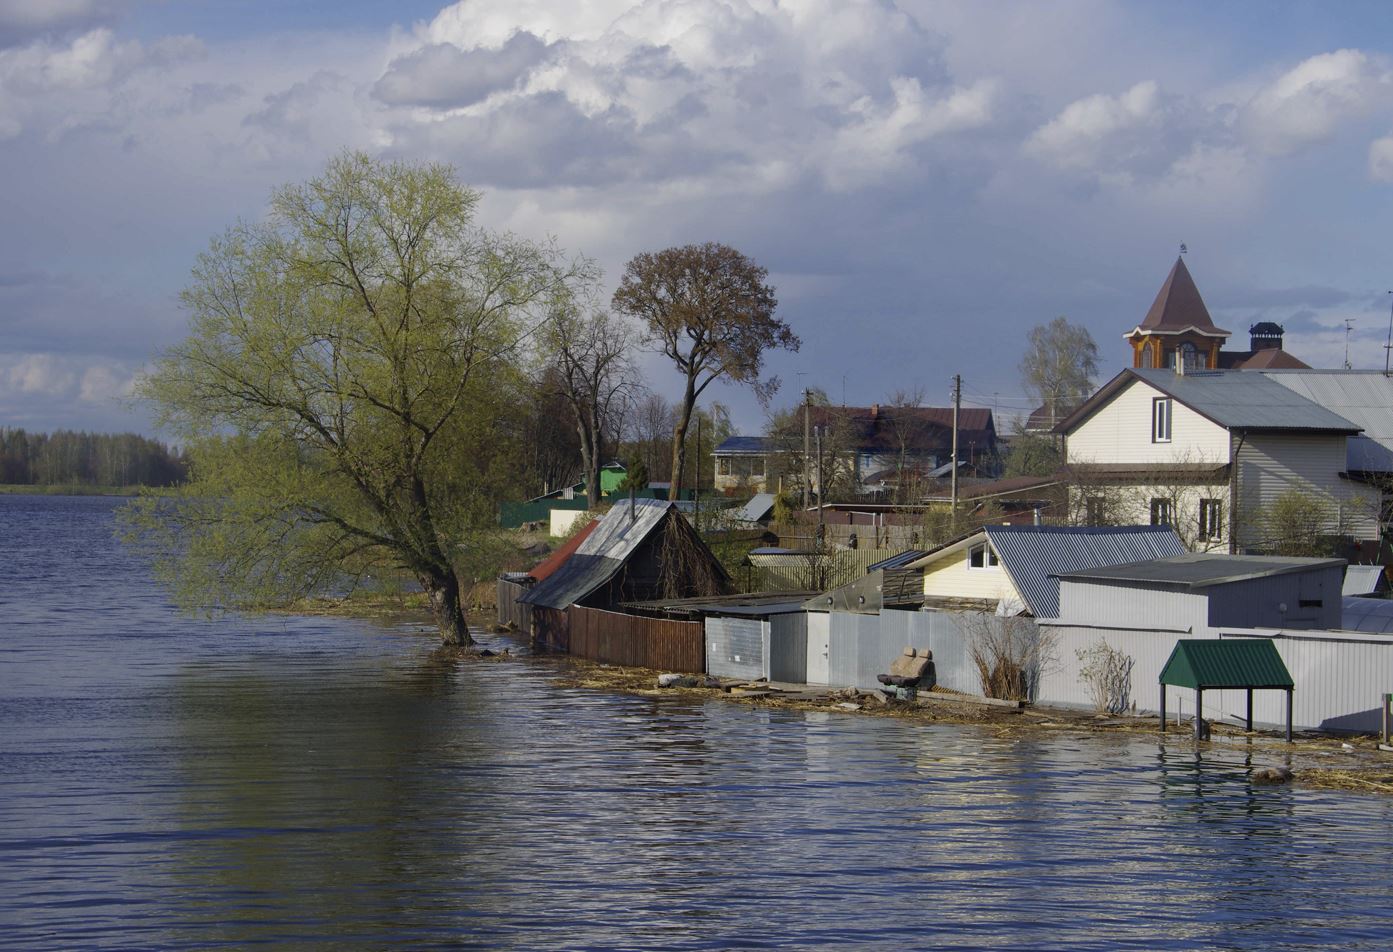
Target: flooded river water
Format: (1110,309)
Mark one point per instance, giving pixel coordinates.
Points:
(169,783)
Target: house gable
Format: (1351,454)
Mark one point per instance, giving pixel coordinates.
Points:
(1119,429)
(950,575)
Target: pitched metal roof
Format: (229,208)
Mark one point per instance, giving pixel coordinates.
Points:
(1194,570)
(1178,306)
(549,566)
(1034,555)
(757,508)
(600,557)
(1234,399)
(1204,663)
(1364,397)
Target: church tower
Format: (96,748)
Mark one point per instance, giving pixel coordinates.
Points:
(1177,327)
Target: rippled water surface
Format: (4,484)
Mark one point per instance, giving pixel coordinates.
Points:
(168,782)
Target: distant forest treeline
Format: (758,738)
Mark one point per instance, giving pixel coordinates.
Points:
(66,458)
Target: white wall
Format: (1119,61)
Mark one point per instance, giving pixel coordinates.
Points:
(1339,675)
(1271,464)
(1120,432)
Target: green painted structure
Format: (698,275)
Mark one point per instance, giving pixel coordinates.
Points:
(1236,663)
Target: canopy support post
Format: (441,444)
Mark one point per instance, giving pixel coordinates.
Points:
(1250,710)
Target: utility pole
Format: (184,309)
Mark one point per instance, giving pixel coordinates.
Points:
(807,445)
(821,529)
(1388,346)
(953,464)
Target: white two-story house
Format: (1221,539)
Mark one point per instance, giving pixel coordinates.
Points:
(1210,453)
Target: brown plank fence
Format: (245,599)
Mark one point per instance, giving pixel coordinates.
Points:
(616,638)
(510,611)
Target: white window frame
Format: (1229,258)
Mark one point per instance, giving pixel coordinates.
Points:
(990,560)
(1211,519)
(1162,414)
(1161,512)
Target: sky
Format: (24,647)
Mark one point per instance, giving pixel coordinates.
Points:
(925,181)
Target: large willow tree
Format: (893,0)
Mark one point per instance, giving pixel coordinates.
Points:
(339,393)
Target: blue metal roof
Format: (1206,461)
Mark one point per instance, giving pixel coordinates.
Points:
(745,444)
(1034,555)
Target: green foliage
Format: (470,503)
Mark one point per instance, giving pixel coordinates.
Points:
(710,310)
(635,475)
(1301,522)
(346,392)
(66,458)
(1032,454)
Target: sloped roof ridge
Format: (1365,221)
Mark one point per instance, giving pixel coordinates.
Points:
(1178,304)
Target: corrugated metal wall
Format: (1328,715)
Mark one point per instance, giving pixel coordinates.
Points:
(788,648)
(1257,603)
(863,646)
(1339,675)
(1060,681)
(737,648)
(942,634)
(1103,604)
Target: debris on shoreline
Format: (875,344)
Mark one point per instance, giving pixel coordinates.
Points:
(1306,761)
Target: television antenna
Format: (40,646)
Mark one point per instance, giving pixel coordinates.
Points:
(1349,323)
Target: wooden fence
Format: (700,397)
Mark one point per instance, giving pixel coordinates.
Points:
(615,638)
(510,612)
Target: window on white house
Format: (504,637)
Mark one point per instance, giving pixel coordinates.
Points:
(1161,420)
(1211,519)
(1161,512)
(723,466)
(757,466)
(982,556)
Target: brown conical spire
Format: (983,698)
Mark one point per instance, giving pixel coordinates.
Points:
(1178,306)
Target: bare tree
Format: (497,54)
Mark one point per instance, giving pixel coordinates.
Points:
(596,377)
(1059,366)
(711,311)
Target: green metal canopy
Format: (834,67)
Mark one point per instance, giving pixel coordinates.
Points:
(1203,663)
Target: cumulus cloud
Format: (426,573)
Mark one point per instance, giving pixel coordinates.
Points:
(67,84)
(22,20)
(443,75)
(1381,159)
(1309,102)
(1086,130)
(720,90)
